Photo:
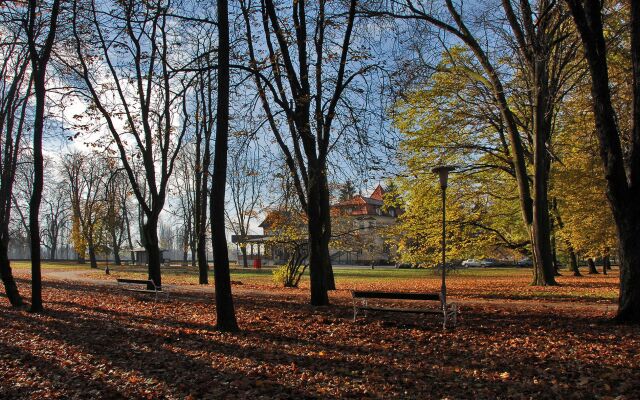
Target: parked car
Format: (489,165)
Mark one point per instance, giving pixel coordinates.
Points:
(472,262)
(525,262)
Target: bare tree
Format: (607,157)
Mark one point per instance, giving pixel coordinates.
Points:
(117,209)
(55,216)
(87,176)
(15,89)
(135,44)
(39,54)
(303,69)
(245,183)
(225,311)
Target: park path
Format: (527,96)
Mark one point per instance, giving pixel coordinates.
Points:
(505,304)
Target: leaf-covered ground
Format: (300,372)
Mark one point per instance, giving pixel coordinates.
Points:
(96,341)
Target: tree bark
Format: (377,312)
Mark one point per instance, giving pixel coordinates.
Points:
(574,262)
(318,245)
(152,246)
(629,254)
(39,61)
(245,262)
(92,256)
(592,266)
(544,269)
(10,287)
(554,253)
(225,311)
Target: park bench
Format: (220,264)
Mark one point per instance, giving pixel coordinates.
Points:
(361,299)
(141,286)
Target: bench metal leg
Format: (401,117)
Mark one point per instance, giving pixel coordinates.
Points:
(355,310)
(454,311)
(444,312)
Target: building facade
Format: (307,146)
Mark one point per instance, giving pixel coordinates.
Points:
(359,231)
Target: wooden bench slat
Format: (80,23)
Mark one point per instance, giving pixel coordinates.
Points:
(134,281)
(394,295)
(401,310)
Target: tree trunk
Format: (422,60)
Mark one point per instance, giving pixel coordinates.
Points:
(10,287)
(52,251)
(629,255)
(39,67)
(92,256)
(605,263)
(554,250)
(201,244)
(225,311)
(152,246)
(116,248)
(325,214)
(574,262)
(622,188)
(592,266)
(116,256)
(544,271)
(607,252)
(318,249)
(203,264)
(245,262)
(36,195)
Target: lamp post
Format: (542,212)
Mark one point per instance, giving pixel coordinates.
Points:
(443,174)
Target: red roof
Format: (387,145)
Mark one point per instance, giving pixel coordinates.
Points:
(378,193)
(361,205)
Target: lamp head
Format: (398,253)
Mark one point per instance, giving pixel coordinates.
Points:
(443,173)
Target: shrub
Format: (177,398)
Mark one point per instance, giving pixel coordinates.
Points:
(290,273)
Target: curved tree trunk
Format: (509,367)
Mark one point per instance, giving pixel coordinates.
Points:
(10,287)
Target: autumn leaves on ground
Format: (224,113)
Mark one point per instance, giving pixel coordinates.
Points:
(97,341)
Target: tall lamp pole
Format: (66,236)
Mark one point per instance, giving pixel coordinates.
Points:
(443,174)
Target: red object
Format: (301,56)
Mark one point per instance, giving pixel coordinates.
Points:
(257,263)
